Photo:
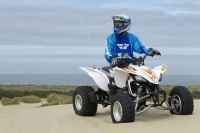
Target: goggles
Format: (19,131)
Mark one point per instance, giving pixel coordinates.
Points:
(118,24)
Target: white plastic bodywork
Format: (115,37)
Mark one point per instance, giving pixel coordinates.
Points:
(98,76)
(151,75)
(160,70)
(121,75)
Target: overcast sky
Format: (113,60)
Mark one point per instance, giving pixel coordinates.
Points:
(58,36)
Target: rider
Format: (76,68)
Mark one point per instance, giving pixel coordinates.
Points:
(122,44)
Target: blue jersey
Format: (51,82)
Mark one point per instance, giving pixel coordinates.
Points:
(124,46)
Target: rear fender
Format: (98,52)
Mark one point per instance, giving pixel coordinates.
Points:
(98,76)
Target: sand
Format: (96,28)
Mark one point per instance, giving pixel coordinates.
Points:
(30,118)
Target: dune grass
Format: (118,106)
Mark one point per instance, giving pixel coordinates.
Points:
(17,100)
(55,99)
(11,91)
(54,95)
(29,99)
(9,101)
(14,94)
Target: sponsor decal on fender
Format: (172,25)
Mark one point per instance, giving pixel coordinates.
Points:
(164,68)
(150,74)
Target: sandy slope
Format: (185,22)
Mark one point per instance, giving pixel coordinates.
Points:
(27,118)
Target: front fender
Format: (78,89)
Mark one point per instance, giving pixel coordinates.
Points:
(120,77)
(98,76)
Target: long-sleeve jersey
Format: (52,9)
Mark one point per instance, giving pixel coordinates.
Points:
(124,46)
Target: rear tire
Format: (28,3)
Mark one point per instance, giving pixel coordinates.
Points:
(81,103)
(122,108)
(181,101)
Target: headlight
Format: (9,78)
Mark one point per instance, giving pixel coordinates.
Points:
(140,79)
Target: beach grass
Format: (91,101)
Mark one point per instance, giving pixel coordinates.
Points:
(14,94)
(17,100)
(56,99)
(29,99)
(9,101)
(11,91)
(54,95)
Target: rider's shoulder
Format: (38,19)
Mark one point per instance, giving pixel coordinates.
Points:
(111,37)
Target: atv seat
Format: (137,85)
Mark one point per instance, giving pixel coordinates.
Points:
(106,70)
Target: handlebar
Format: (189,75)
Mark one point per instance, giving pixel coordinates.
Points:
(137,60)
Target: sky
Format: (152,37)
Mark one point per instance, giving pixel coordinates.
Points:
(58,36)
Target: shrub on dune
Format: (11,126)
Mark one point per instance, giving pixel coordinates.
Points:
(55,99)
(9,101)
(29,99)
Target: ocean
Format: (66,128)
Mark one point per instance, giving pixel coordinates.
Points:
(83,79)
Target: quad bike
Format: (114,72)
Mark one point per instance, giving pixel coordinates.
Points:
(134,89)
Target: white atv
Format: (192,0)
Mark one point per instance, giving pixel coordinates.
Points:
(134,89)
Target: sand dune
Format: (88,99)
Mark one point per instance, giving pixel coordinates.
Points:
(27,118)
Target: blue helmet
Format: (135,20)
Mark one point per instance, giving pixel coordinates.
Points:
(126,23)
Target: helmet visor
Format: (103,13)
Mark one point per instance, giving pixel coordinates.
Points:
(117,18)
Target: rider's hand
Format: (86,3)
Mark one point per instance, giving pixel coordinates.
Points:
(118,62)
(113,63)
(154,51)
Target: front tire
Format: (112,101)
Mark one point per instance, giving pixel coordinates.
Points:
(81,103)
(122,108)
(181,101)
